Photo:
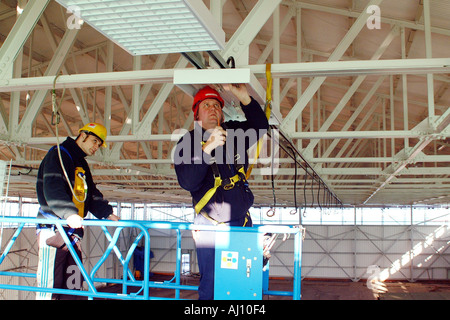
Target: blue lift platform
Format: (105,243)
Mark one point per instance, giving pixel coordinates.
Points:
(239,260)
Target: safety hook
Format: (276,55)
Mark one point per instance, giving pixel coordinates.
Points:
(270,213)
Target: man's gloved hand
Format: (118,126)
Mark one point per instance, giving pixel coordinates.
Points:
(74,221)
(217,138)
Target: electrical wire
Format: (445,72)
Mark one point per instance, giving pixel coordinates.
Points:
(312,189)
(294,211)
(271,212)
(318,197)
(304,192)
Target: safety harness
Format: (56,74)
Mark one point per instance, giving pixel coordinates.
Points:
(80,186)
(226,183)
(229,183)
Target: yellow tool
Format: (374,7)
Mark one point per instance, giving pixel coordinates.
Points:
(80,190)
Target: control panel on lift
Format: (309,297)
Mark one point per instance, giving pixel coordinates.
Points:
(238,266)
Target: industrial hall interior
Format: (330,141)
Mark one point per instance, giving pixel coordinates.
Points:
(225,149)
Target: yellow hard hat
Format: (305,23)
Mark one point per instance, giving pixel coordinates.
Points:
(97,130)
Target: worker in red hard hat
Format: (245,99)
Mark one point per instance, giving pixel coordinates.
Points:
(204,94)
(213,171)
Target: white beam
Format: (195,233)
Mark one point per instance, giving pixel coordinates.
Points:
(354,14)
(243,37)
(206,76)
(393,134)
(422,158)
(36,141)
(355,68)
(19,35)
(354,87)
(410,154)
(100,79)
(389,134)
(355,114)
(108,90)
(249,28)
(269,45)
(429,55)
(281,70)
(76,98)
(134,117)
(336,55)
(53,69)
(3,118)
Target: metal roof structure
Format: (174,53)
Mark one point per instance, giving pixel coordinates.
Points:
(360,95)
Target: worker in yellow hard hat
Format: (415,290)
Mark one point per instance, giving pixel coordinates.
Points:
(95,129)
(65,190)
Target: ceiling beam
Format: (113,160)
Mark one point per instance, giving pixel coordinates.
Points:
(24,128)
(335,56)
(249,28)
(411,153)
(395,31)
(280,70)
(415,25)
(19,35)
(355,68)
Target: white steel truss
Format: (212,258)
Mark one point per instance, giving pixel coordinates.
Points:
(370,112)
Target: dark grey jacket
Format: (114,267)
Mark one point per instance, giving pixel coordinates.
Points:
(53,192)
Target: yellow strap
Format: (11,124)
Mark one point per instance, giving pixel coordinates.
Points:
(80,190)
(208,195)
(246,219)
(268,111)
(241,170)
(269,82)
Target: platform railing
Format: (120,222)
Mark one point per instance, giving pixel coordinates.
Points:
(142,238)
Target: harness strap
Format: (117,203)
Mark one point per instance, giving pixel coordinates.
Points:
(208,195)
(63,149)
(227,184)
(69,231)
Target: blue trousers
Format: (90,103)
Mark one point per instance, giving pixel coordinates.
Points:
(205,245)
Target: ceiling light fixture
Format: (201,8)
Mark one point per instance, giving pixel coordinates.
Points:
(143,27)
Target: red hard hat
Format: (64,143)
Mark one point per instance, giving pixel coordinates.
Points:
(203,94)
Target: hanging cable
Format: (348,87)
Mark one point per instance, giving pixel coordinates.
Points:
(271,212)
(318,197)
(56,117)
(294,211)
(304,192)
(231,62)
(312,189)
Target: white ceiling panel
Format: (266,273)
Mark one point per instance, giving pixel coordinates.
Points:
(144,27)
